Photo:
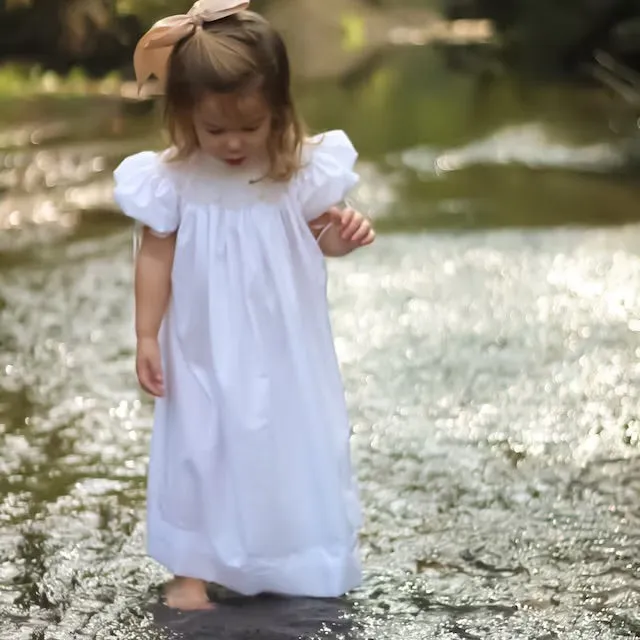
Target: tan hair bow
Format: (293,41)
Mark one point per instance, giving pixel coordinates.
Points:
(152,53)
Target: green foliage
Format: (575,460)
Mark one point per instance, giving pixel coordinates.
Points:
(23,81)
(151,10)
(354,32)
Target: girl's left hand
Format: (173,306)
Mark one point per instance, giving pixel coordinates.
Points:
(355,229)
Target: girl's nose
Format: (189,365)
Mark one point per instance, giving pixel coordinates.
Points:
(234,144)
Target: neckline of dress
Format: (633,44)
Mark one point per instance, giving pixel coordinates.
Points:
(252,173)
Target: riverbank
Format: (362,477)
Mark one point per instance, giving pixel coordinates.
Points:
(327,39)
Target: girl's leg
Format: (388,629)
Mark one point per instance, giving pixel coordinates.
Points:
(187,594)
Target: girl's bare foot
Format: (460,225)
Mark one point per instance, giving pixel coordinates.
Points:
(187,594)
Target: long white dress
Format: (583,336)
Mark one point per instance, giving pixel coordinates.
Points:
(250,480)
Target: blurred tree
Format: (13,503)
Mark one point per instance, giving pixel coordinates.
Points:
(551,34)
(63,33)
(98,35)
(148,11)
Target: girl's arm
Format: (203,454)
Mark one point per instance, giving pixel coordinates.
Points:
(341,231)
(152,292)
(153,282)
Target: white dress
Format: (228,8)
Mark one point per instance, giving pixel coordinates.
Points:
(250,480)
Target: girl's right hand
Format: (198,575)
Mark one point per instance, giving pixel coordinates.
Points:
(149,366)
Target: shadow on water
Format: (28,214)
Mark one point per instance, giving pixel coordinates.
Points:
(490,368)
(265,617)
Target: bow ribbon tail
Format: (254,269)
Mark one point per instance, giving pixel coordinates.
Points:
(151,57)
(151,62)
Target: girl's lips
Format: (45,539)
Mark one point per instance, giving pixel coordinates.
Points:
(234,162)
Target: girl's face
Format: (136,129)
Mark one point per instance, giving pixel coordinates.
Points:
(234,129)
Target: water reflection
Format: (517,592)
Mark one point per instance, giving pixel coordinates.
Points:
(438,149)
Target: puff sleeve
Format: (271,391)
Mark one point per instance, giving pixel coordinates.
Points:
(145,192)
(328,173)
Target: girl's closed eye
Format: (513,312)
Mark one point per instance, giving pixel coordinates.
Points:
(253,125)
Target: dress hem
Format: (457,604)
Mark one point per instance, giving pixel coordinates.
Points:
(320,572)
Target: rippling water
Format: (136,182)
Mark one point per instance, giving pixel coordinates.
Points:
(492,376)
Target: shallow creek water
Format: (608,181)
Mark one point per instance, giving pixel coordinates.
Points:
(489,343)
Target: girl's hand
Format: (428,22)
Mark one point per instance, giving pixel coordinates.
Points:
(149,366)
(355,230)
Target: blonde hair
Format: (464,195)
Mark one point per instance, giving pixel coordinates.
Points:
(235,55)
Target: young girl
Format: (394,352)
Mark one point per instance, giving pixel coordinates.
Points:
(250,481)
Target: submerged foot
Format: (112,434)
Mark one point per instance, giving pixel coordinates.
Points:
(187,594)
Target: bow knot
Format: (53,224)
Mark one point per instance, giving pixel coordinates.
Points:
(197,14)
(154,49)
